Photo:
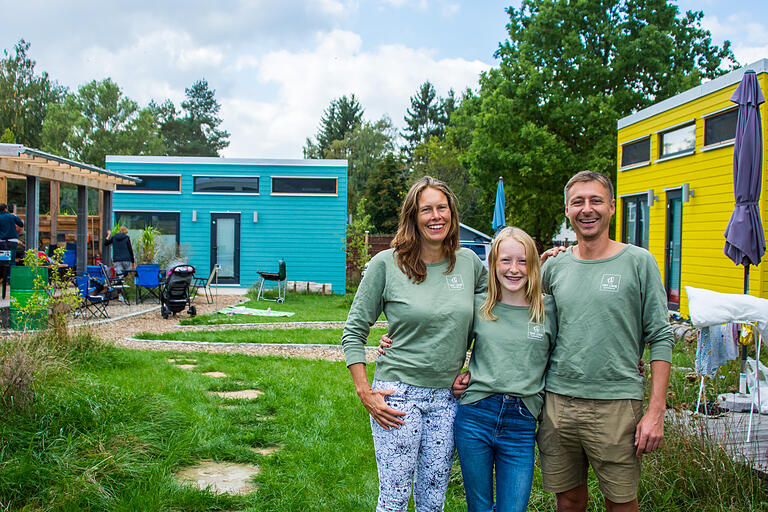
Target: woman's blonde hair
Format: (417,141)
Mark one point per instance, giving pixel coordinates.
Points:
(407,241)
(533,288)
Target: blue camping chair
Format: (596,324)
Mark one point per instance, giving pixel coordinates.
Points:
(70,258)
(147,278)
(93,303)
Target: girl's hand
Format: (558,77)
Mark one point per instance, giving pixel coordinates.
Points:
(384,343)
(460,384)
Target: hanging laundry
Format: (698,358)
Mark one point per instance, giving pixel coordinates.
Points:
(714,348)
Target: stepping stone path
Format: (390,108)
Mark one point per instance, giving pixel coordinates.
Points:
(221,477)
(265,450)
(215,375)
(248,394)
(186,366)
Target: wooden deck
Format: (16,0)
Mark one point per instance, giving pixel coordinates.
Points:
(730,430)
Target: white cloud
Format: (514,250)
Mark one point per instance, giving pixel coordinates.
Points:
(749,39)
(305,82)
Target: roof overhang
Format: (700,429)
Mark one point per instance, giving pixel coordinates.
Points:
(18,161)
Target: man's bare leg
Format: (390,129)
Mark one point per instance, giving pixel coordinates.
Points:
(573,500)
(630,506)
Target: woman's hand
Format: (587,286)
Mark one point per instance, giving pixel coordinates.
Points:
(460,384)
(384,415)
(384,343)
(554,251)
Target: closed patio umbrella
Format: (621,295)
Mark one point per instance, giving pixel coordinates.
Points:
(744,238)
(499,219)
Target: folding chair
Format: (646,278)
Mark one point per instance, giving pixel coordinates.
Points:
(114,282)
(100,276)
(92,303)
(147,278)
(205,284)
(5,264)
(269,276)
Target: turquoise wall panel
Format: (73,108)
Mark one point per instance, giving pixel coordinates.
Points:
(306,231)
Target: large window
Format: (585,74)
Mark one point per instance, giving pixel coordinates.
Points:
(678,141)
(720,127)
(226,184)
(304,186)
(636,152)
(158,183)
(635,217)
(166,222)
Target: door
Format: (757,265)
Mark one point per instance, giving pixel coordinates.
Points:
(672,249)
(225,246)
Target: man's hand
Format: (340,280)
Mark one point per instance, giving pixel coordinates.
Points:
(460,384)
(384,415)
(650,432)
(551,253)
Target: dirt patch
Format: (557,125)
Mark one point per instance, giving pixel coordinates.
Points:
(248,394)
(265,450)
(186,366)
(215,375)
(221,477)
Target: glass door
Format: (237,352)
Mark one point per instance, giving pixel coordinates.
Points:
(225,246)
(673,248)
(635,217)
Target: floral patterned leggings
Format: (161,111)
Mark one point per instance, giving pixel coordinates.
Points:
(422,448)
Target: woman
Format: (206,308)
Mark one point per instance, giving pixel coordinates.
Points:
(122,251)
(425,285)
(514,330)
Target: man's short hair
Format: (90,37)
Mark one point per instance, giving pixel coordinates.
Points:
(586,176)
(3,207)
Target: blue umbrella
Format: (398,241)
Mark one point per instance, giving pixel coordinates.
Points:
(498,211)
(744,236)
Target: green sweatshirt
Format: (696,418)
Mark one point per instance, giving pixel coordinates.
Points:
(429,322)
(510,354)
(608,310)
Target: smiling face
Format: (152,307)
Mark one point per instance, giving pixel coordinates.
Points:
(433,216)
(511,270)
(589,207)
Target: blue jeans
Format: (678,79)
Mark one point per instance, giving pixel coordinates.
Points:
(496,431)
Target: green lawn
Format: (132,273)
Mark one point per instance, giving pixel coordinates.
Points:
(308,308)
(290,336)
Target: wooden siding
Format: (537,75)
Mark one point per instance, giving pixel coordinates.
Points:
(706,215)
(308,232)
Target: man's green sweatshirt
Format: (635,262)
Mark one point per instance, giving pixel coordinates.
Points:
(608,310)
(429,322)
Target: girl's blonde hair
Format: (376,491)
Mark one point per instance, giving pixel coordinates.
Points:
(407,241)
(533,288)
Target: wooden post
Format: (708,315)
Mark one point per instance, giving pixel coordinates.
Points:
(31,226)
(4,191)
(54,212)
(106,225)
(82,229)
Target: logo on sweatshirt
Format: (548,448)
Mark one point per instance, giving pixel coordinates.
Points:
(610,282)
(454,282)
(535,331)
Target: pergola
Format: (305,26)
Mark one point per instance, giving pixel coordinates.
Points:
(20,162)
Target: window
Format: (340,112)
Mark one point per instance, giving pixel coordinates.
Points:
(159,183)
(166,222)
(720,127)
(309,186)
(677,141)
(636,152)
(226,185)
(635,217)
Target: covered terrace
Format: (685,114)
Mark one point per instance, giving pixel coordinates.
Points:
(34,166)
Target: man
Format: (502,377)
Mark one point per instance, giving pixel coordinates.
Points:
(611,304)
(9,233)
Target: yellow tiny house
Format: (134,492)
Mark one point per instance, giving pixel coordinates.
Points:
(675,187)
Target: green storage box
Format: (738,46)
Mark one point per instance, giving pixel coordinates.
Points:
(35,321)
(22,297)
(23,278)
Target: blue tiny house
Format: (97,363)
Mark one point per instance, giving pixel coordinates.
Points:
(242,214)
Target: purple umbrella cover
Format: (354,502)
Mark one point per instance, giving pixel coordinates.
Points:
(744,237)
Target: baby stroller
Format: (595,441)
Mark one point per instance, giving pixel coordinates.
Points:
(174,294)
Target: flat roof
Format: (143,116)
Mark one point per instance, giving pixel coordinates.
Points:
(697,92)
(223,161)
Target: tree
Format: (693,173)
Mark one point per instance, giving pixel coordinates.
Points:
(195,130)
(340,118)
(384,191)
(97,121)
(567,74)
(428,116)
(25,96)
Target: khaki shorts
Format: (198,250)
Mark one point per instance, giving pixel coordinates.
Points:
(575,432)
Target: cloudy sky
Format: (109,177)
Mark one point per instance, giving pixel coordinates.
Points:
(276,64)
